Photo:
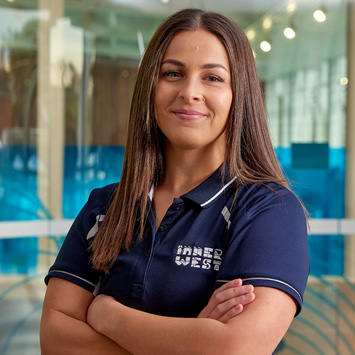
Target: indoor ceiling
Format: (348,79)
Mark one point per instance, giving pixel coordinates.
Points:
(121,28)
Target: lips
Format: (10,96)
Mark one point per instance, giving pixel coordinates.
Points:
(189,115)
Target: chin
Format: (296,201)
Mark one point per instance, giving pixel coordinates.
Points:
(188,145)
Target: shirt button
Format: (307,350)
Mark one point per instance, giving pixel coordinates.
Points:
(178,207)
(163,228)
(147,253)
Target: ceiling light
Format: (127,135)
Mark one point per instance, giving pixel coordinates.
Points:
(267,23)
(319,15)
(344,81)
(251,34)
(289,32)
(164,1)
(265,46)
(10,0)
(291,7)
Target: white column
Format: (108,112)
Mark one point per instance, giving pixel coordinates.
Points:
(50,123)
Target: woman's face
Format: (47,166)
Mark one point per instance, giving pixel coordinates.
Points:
(193,95)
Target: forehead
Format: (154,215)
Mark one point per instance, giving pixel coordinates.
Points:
(192,44)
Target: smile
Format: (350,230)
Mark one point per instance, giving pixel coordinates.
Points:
(189,115)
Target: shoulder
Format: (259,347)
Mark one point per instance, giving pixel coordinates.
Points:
(100,198)
(257,198)
(96,207)
(268,207)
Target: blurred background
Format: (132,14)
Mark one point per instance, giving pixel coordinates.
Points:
(67,71)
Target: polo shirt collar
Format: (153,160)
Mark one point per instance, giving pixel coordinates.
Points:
(211,189)
(208,191)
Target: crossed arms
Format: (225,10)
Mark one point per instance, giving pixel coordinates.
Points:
(74,322)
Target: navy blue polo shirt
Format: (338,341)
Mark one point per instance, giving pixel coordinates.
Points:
(203,241)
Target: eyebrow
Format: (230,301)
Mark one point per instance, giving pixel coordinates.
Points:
(204,66)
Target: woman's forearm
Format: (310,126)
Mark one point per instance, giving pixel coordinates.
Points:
(63,334)
(167,335)
(258,329)
(226,303)
(145,333)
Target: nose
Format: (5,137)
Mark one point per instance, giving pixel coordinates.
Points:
(191,90)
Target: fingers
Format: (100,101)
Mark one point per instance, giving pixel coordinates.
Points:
(230,292)
(231,302)
(226,298)
(218,296)
(235,311)
(233,283)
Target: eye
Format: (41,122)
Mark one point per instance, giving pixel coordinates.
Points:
(171,73)
(214,78)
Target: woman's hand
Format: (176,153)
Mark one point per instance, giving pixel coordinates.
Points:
(228,301)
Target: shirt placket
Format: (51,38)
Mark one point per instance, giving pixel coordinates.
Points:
(174,211)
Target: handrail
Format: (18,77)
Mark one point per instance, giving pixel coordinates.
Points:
(55,227)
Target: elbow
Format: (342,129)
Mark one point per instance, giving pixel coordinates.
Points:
(49,333)
(45,336)
(44,344)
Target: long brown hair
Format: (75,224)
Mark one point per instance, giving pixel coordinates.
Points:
(249,152)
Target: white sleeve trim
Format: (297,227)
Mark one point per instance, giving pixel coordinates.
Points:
(78,277)
(267,279)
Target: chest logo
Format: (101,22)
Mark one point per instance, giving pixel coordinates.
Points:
(199,257)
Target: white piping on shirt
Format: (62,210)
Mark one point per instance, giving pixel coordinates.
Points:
(78,277)
(218,193)
(95,227)
(267,279)
(226,214)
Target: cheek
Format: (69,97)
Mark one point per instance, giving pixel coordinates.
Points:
(229,102)
(165,93)
(225,104)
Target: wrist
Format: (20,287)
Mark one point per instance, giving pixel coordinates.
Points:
(112,320)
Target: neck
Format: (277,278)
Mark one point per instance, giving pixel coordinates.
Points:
(186,169)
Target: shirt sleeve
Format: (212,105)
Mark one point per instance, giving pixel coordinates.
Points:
(268,244)
(73,260)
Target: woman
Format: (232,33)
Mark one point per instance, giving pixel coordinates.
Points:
(202,204)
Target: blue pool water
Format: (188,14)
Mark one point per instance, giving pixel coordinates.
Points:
(321,190)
